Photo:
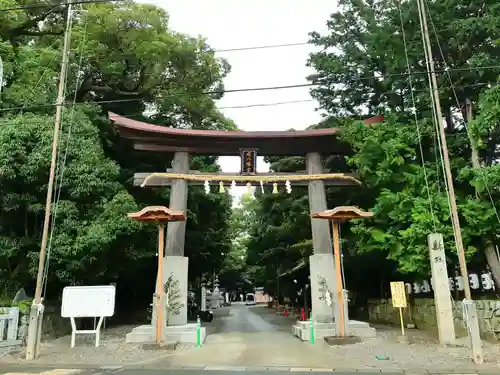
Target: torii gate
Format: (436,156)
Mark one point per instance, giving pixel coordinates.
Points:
(313,144)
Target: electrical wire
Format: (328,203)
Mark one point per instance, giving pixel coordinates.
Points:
(55,204)
(417,122)
(378,76)
(61,165)
(45,106)
(53,5)
(271,46)
(275,104)
(481,171)
(437,125)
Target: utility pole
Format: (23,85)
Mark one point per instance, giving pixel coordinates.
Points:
(446,158)
(471,314)
(36,312)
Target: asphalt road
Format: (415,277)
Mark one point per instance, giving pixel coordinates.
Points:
(240,318)
(236,372)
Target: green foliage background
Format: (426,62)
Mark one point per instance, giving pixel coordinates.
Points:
(360,69)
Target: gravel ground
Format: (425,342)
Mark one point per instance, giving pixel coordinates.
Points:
(423,351)
(112,351)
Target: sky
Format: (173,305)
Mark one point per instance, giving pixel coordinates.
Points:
(229,24)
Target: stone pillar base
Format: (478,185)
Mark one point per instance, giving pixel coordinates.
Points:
(184,334)
(302,330)
(322,270)
(176,267)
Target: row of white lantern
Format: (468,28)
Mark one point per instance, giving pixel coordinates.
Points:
(288,187)
(456,283)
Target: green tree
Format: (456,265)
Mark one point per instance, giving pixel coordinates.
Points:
(363,69)
(362,64)
(168,74)
(91,209)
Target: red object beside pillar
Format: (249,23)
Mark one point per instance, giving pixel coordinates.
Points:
(302,314)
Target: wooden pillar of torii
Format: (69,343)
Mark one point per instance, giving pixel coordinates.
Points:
(336,216)
(159,215)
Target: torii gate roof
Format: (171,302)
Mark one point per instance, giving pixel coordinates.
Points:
(149,137)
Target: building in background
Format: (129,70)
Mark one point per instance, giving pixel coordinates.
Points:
(261,296)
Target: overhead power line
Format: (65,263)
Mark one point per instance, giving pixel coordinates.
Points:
(262,47)
(55,4)
(274,104)
(271,88)
(42,106)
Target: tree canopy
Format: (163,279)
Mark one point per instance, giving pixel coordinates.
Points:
(125,58)
(167,78)
(370,62)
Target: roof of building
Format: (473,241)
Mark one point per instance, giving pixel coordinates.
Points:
(149,137)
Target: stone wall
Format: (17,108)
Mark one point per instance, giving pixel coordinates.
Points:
(53,325)
(423,315)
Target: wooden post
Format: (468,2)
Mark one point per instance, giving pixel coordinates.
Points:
(402,321)
(36,312)
(159,284)
(338,276)
(446,159)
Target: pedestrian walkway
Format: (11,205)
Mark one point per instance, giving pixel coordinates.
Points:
(241,336)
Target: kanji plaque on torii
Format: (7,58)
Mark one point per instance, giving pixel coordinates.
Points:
(248,161)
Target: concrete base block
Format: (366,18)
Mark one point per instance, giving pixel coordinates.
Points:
(340,341)
(321,330)
(403,339)
(144,333)
(184,334)
(170,346)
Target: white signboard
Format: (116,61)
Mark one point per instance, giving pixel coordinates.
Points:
(88,301)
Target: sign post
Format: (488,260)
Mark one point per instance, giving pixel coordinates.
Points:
(88,302)
(311,327)
(398,294)
(198,333)
(441,288)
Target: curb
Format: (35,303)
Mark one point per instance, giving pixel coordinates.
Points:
(28,368)
(361,371)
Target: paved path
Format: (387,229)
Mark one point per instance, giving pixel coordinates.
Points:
(244,336)
(241,318)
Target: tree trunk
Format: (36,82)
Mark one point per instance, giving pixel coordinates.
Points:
(489,251)
(493,262)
